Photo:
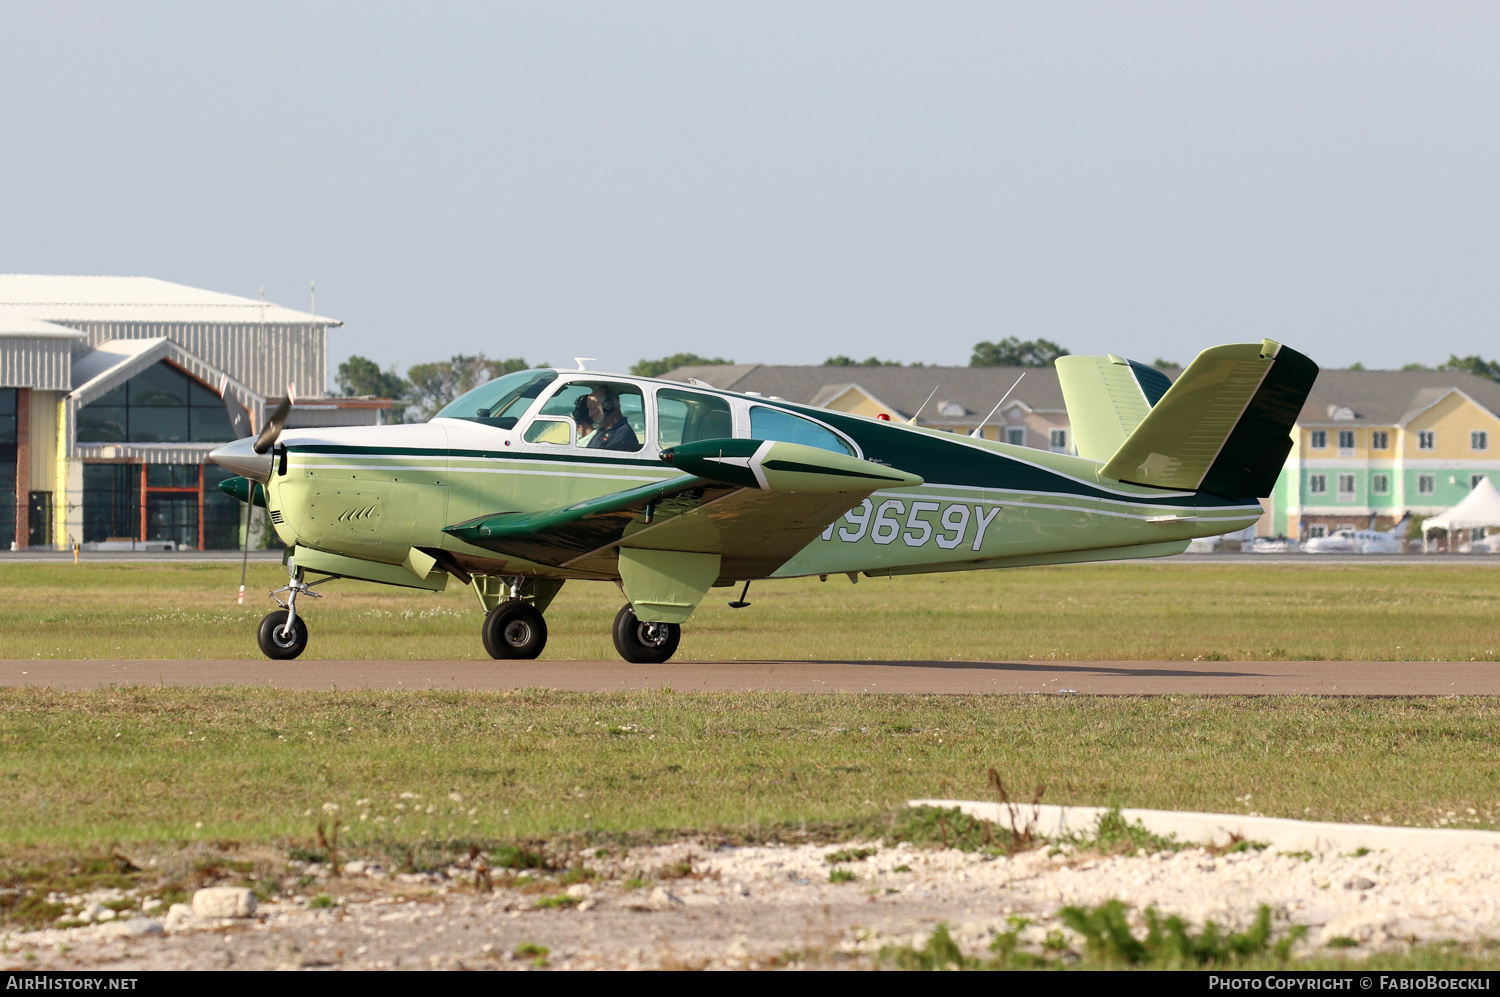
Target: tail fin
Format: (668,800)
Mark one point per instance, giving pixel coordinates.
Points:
(1224,426)
(1107,397)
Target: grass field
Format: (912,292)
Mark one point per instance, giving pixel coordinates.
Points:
(223,772)
(83,769)
(1138,611)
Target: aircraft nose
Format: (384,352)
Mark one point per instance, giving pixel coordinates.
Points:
(241,458)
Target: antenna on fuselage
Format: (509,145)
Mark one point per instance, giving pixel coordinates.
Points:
(979,429)
(913,420)
(580,361)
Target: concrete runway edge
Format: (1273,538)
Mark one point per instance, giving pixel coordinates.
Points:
(1109,678)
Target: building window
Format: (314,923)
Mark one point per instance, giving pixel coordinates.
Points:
(161,404)
(1380,440)
(1426,439)
(1475,479)
(1319,439)
(1380,484)
(1317,483)
(1313,532)
(1346,486)
(1426,484)
(1346,439)
(1015,436)
(1059,439)
(1479,440)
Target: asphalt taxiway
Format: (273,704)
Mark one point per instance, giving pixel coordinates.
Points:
(1107,678)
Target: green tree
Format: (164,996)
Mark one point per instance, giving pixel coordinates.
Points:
(434,385)
(1013,352)
(1415,366)
(1159,363)
(362,376)
(656,368)
(843,361)
(1356,365)
(1474,365)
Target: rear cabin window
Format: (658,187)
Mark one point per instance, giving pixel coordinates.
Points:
(688,416)
(499,402)
(774,424)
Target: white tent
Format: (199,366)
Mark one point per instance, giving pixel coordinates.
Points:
(1480,508)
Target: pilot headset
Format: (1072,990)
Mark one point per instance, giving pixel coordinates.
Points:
(607,402)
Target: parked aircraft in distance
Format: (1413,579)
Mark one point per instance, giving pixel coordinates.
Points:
(1367,541)
(667,489)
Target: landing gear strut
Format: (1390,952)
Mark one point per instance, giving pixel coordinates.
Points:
(644,643)
(514,628)
(283,634)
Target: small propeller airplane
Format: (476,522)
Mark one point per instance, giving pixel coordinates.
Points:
(1366,541)
(539,477)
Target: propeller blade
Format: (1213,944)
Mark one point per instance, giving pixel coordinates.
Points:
(267,438)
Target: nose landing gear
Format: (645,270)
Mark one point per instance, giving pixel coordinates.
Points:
(283,634)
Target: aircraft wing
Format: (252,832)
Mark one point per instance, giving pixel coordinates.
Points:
(754,503)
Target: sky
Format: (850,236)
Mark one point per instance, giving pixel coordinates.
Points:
(777,182)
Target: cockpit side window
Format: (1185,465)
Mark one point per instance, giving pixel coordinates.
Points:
(775,424)
(689,416)
(609,415)
(500,402)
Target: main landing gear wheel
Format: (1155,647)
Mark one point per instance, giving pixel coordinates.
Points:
(279,642)
(644,643)
(514,629)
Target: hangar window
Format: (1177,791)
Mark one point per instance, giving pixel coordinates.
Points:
(1380,484)
(1059,440)
(1015,436)
(1314,532)
(1479,440)
(1475,479)
(1346,486)
(1426,439)
(161,404)
(1426,484)
(1319,439)
(774,424)
(1317,483)
(1380,440)
(1346,439)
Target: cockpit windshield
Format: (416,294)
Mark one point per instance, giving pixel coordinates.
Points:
(499,402)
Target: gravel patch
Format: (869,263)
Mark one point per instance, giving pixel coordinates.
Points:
(774,906)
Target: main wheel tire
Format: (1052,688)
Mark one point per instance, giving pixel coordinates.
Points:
(644,643)
(276,645)
(514,629)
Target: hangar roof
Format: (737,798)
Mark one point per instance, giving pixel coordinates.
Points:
(138,299)
(15,322)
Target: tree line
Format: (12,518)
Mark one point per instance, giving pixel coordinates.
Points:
(427,387)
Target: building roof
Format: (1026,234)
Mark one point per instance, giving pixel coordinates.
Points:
(138,299)
(1338,397)
(974,389)
(1389,397)
(16,323)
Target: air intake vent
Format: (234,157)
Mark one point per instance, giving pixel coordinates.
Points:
(276,516)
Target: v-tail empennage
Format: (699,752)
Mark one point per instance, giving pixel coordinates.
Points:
(1224,427)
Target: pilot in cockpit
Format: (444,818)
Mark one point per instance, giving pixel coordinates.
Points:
(611,430)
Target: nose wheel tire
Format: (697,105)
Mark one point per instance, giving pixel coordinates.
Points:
(514,629)
(276,644)
(644,643)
